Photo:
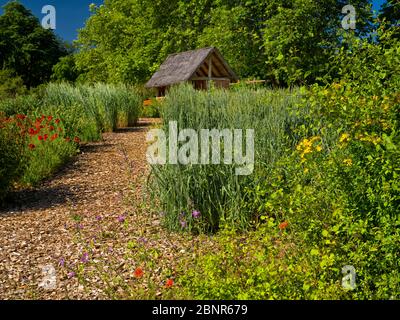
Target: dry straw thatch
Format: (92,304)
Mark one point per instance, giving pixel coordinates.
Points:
(190,65)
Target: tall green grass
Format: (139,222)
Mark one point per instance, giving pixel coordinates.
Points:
(90,110)
(215,190)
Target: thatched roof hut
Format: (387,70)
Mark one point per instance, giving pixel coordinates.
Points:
(199,67)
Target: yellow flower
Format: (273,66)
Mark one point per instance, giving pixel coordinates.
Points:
(385,106)
(344,138)
(348,162)
(318,148)
(306,170)
(337,86)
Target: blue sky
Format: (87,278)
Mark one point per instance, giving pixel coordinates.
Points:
(72,14)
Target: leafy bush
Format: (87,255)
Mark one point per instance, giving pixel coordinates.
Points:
(20,105)
(10,154)
(10,86)
(152,109)
(33,148)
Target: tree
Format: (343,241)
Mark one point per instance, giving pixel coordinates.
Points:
(301,35)
(390,13)
(287,42)
(65,69)
(126,40)
(10,85)
(26,47)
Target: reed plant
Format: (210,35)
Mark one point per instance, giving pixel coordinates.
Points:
(215,190)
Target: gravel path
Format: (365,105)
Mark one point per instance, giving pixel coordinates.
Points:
(90,210)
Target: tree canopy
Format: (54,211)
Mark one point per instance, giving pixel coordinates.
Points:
(391,14)
(26,47)
(286,42)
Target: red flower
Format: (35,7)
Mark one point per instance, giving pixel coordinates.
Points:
(57,121)
(32,146)
(54,137)
(32,131)
(40,138)
(49,118)
(67,139)
(45,137)
(51,128)
(21,116)
(283,225)
(138,273)
(77,140)
(169,283)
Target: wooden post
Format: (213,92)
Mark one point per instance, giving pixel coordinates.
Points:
(209,72)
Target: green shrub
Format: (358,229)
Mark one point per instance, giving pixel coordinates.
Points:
(11,154)
(152,111)
(10,85)
(20,105)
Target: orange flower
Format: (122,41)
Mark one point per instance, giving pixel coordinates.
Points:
(169,283)
(147,102)
(138,273)
(283,225)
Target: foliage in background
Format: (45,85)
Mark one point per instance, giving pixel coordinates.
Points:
(391,14)
(126,41)
(26,47)
(10,86)
(65,70)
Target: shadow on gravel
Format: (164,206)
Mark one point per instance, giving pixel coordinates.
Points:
(18,202)
(89,148)
(48,194)
(131,129)
(45,196)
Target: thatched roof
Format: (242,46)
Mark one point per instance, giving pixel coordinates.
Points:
(181,67)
